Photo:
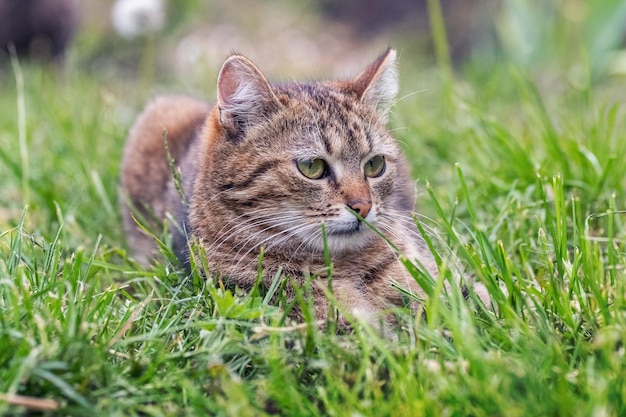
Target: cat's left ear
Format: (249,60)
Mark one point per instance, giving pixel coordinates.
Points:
(378,84)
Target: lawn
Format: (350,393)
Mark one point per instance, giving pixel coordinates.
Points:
(520,167)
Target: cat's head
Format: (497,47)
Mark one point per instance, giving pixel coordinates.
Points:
(285,159)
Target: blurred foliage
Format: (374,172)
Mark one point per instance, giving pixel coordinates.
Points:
(550,32)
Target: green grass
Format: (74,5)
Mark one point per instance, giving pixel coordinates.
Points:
(533,210)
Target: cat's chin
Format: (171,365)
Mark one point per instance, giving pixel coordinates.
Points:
(341,242)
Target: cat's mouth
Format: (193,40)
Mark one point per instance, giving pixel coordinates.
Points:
(347,236)
(349,231)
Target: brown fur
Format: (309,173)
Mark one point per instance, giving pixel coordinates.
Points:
(246,192)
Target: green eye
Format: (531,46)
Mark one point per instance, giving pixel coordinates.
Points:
(313,168)
(375,167)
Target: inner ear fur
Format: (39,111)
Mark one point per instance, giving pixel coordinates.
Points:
(378,86)
(244,96)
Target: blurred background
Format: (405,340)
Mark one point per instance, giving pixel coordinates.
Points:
(158,40)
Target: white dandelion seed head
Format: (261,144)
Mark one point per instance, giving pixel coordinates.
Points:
(132,18)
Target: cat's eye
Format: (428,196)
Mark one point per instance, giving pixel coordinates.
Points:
(313,168)
(374,167)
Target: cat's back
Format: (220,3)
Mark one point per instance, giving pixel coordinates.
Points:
(146,178)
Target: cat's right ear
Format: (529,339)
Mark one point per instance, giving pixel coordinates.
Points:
(377,86)
(244,96)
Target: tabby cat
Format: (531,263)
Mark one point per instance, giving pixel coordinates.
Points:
(265,168)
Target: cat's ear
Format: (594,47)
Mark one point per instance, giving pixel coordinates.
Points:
(378,84)
(244,96)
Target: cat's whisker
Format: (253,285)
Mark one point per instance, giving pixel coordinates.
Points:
(280,242)
(252,213)
(268,224)
(425,217)
(306,244)
(389,232)
(292,231)
(397,129)
(253,242)
(268,212)
(395,227)
(410,94)
(253,217)
(409,221)
(231,227)
(236,229)
(242,229)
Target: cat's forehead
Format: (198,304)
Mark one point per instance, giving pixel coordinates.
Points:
(325,97)
(332,122)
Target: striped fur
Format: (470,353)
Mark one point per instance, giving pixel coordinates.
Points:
(239,166)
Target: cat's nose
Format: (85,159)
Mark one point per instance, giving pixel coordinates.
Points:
(361,207)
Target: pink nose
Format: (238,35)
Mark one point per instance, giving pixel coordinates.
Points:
(361,207)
